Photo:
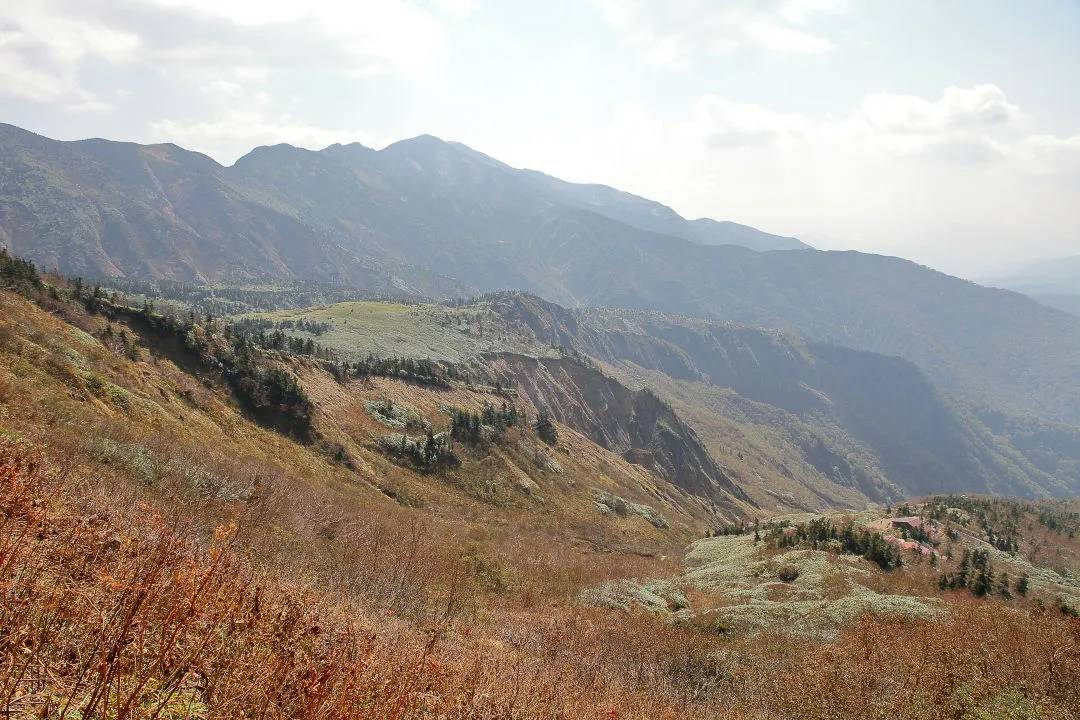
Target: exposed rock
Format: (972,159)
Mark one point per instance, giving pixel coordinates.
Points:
(633,423)
(607,503)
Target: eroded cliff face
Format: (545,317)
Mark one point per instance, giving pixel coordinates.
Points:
(870,422)
(634,423)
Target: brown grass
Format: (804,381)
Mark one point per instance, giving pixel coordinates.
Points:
(135,593)
(120,613)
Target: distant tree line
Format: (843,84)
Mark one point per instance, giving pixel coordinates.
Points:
(851,539)
(739,528)
(421,371)
(280,341)
(312,327)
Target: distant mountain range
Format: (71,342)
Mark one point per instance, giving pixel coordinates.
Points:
(421,215)
(1052,282)
(427,217)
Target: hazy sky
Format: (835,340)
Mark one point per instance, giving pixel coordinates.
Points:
(943,131)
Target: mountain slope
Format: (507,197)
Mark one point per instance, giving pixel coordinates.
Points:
(637,425)
(1055,283)
(1059,276)
(487,351)
(1065,303)
(864,418)
(794,424)
(425,217)
(652,216)
(991,345)
(112,389)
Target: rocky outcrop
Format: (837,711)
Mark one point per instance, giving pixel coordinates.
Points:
(634,423)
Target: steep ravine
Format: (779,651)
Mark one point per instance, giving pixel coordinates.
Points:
(635,423)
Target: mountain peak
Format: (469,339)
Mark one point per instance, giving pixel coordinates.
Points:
(425,142)
(347,147)
(278,149)
(274,153)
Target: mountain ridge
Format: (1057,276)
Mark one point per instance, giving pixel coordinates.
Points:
(921,438)
(429,218)
(1055,283)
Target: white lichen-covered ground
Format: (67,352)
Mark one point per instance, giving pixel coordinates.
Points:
(735,584)
(743,590)
(827,593)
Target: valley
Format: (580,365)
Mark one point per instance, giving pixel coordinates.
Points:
(284,420)
(463,587)
(588,360)
(429,219)
(827,425)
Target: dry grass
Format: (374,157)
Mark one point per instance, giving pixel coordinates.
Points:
(161,556)
(130,616)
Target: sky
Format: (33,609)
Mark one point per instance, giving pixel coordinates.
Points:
(943,132)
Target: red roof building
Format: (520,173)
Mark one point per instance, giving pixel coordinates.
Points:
(911,523)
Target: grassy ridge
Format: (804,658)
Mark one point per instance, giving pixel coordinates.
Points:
(437,332)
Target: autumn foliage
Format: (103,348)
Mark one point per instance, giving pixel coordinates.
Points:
(122,613)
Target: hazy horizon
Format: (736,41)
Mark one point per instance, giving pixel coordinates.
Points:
(947,135)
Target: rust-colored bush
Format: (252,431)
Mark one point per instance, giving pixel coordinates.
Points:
(108,609)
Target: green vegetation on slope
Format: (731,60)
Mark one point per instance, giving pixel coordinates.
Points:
(428,218)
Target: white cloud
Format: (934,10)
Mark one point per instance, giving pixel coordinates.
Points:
(784,39)
(672,33)
(457,9)
(721,123)
(46,44)
(964,126)
(394,36)
(801,11)
(982,105)
(251,73)
(41,50)
(222,88)
(958,149)
(1049,155)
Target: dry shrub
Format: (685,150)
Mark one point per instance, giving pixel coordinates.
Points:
(893,667)
(110,610)
(128,615)
(788,573)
